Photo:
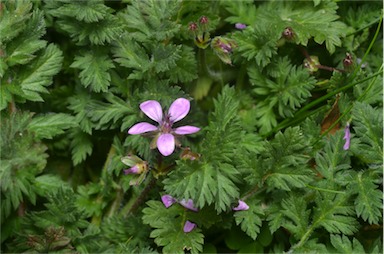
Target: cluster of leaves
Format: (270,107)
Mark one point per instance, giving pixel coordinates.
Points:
(72,76)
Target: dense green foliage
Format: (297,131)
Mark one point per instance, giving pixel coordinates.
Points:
(275,97)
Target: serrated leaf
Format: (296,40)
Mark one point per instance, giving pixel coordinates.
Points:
(81,145)
(285,160)
(107,114)
(250,220)
(23,47)
(344,245)
(306,21)
(168,230)
(94,68)
(335,214)
(50,125)
(39,73)
(13,19)
(333,158)
(87,11)
(368,125)
(369,200)
(151,20)
(204,184)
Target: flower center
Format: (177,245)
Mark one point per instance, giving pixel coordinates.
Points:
(166,125)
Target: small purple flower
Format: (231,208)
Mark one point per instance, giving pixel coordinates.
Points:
(242,206)
(165,135)
(188,226)
(188,204)
(240,26)
(133,170)
(347,137)
(168,200)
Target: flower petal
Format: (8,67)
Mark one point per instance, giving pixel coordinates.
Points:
(347,137)
(242,206)
(178,109)
(188,204)
(153,110)
(240,26)
(132,170)
(168,200)
(166,144)
(186,130)
(141,128)
(188,226)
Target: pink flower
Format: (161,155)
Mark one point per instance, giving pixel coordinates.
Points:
(165,135)
(242,206)
(347,137)
(188,226)
(188,204)
(168,200)
(240,26)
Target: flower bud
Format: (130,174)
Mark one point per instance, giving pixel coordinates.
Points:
(288,33)
(240,26)
(192,26)
(203,20)
(187,154)
(312,64)
(348,62)
(223,47)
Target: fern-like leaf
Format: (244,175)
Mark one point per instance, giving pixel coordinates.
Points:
(94,68)
(50,125)
(38,75)
(168,230)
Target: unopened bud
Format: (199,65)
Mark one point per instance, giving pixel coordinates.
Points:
(312,64)
(203,20)
(288,33)
(348,62)
(187,154)
(192,26)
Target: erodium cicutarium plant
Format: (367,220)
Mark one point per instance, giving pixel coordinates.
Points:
(191,126)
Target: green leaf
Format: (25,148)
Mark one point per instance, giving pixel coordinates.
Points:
(368,125)
(169,224)
(23,47)
(369,200)
(306,21)
(131,55)
(285,161)
(280,90)
(293,215)
(39,73)
(333,158)
(151,20)
(344,245)
(13,19)
(106,115)
(334,213)
(257,44)
(243,11)
(185,69)
(250,220)
(94,68)
(50,125)
(87,11)
(81,145)
(49,183)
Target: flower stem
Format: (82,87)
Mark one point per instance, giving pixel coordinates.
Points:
(140,199)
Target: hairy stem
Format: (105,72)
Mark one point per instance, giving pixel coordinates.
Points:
(141,198)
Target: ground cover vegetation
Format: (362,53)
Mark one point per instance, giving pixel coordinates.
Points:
(191,126)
